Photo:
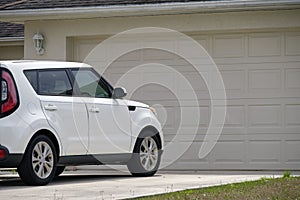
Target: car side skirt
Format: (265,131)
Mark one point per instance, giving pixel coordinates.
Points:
(98,159)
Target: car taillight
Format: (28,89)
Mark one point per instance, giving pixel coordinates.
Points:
(9,96)
(2,154)
(4,90)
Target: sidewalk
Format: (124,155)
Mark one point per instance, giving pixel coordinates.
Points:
(93,184)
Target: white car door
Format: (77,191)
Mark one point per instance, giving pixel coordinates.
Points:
(109,119)
(67,115)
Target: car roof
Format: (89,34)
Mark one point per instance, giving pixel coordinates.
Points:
(35,64)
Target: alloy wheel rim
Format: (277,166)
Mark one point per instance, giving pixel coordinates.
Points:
(149,153)
(42,160)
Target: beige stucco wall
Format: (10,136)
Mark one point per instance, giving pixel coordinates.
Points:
(57,31)
(258,54)
(11,50)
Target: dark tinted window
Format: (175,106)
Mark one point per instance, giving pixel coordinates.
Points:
(50,82)
(32,78)
(54,82)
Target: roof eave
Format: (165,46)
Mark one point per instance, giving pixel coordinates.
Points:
(146,9)
(11,39)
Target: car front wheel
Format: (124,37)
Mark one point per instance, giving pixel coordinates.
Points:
(146,157)
(39,162)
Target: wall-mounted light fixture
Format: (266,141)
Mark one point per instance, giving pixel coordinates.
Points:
(38,43)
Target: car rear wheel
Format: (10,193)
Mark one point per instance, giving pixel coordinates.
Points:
(39,162)
(146,157)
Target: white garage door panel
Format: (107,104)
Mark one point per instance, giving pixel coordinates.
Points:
(292,152)
(264,116)
(245,152)
(267,151)
(292,41)
(292,115)
(229,46)
(263,45)
(261,73)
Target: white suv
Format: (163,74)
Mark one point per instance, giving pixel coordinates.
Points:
(54,114)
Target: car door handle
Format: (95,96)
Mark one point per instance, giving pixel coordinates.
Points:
(94,110)
(50,107)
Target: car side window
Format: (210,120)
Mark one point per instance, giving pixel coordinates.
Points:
(54,83)
(90,84)
(32,78)
(50,82)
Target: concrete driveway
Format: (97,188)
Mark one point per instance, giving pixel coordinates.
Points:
(97,184)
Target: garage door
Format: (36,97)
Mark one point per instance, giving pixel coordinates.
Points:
(261,73)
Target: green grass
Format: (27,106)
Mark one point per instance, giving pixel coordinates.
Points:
(285,188)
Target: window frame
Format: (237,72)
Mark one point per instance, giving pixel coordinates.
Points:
(102,82)
(75,88)
(37,90)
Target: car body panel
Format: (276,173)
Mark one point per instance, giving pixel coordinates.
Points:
(78,132)
(109,125)
(69,118)
(143,118)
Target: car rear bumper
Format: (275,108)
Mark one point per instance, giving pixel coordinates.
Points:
(8,160)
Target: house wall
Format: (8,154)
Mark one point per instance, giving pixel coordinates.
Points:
(11,50)
(57,31)
(258,54)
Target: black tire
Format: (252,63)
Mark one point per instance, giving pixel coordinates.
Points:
(59,170)
(41,170)
(138,162)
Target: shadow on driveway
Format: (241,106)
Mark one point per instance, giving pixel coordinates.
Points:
(13,181)
(118,185)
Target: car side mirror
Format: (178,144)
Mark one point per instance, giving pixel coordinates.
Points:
(119,92)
